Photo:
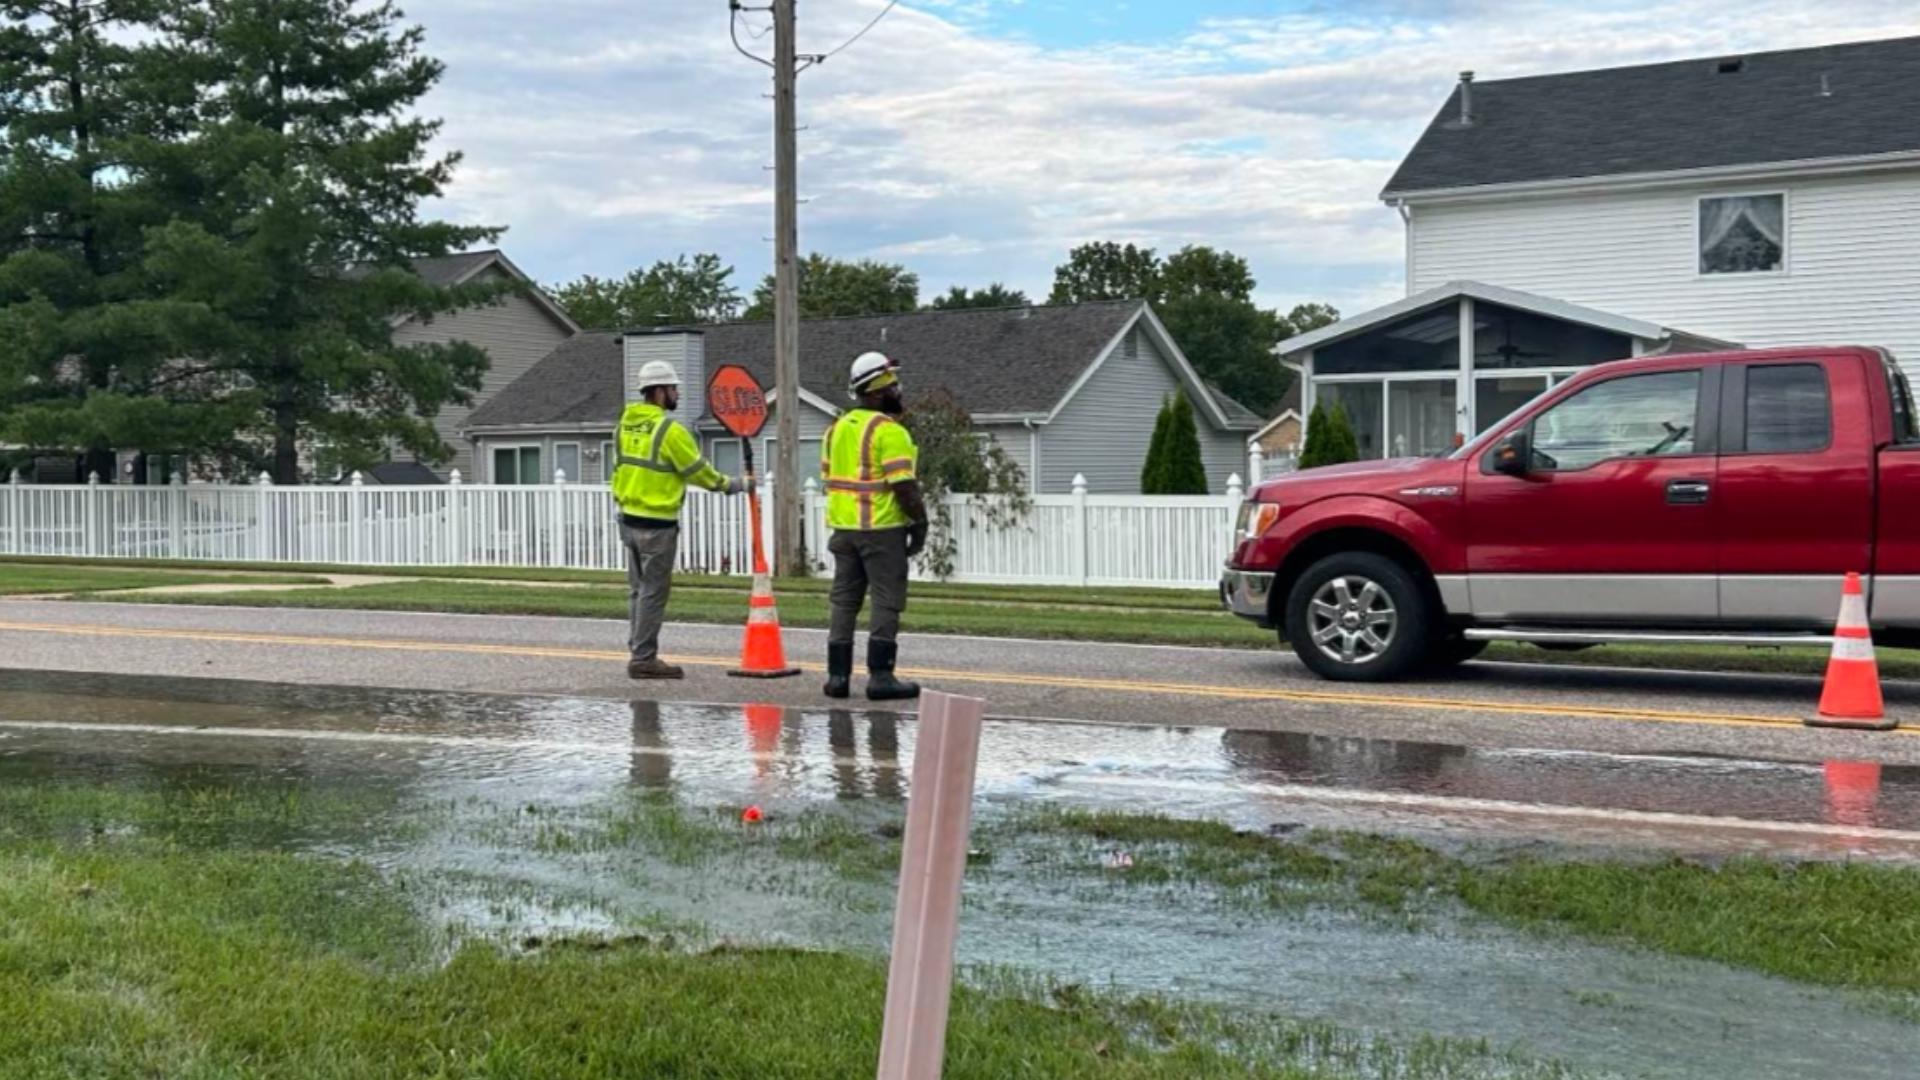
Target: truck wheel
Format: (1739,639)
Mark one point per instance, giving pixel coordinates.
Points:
(1359,617)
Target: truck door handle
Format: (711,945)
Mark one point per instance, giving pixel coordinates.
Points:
(1687,492)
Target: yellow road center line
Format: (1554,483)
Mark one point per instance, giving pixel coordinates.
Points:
(988,678)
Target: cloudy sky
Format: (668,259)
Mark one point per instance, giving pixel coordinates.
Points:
(978,140)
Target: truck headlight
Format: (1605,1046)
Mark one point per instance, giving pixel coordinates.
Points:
(1256,518)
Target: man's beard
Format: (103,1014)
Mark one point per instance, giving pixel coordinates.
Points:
(893,405)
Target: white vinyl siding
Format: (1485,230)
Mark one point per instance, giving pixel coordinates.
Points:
(1104,432)
(1018,442)
(516,333)
(1852,253)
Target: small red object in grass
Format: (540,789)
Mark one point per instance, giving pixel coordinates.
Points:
(751,815)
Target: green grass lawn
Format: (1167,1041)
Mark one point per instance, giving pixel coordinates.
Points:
(23,579)
(159,932)
(807,608)
(162,931)
(1834,924)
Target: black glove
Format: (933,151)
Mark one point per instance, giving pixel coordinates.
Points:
(916,538)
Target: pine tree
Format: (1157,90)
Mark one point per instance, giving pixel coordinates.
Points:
(1186,470)
(88,99)
(310,164)
(1153,471)
(1330,438)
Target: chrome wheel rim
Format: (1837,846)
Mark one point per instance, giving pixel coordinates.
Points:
(1352,619)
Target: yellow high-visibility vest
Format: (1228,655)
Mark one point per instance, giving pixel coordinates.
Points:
(658,458)
(864,455)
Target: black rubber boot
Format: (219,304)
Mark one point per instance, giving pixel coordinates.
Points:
(881,685)
(839,671)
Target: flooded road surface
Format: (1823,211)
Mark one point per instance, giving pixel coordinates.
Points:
(523,818)
(1252,779)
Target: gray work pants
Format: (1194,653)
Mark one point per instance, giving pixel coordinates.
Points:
(866,562)
(650,554)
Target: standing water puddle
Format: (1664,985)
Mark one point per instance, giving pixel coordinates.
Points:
(536,817)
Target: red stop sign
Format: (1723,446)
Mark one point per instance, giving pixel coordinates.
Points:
(735,399)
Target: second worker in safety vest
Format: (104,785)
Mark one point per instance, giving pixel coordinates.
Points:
(657,458)
(879,523)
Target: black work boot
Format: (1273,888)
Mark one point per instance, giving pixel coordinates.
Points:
(653,669)
(881,685)
(839,670)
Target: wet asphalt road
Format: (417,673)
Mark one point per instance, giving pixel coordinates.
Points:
(1484,705)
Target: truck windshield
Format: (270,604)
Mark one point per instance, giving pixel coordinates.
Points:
(1902,394)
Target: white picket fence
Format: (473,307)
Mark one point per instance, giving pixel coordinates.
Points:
(1075,539)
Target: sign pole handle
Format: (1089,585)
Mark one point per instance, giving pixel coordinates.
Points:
(753,509)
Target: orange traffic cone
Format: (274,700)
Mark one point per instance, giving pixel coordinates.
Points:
(1851,698)
(762,656)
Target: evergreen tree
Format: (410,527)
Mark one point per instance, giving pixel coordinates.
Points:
(1185,469)
(88,98)
(310,164)
(1154,470)
(1330,438)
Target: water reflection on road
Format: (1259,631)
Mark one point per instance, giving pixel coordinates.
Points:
(532,815)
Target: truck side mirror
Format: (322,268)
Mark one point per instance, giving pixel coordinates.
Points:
(1513,455)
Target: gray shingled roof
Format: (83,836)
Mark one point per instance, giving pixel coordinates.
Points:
(443,270)
(994,362)
(1674,116)
(577,383)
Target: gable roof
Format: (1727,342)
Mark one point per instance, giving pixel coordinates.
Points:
(996,362)
(445,271)
(1493,294)
(1288,409)
(1796,105)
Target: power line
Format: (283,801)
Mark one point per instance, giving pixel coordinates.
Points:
(733,31)
(863,33)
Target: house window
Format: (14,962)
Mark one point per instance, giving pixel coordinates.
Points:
(808,462)
(1743,234)
(1362,402)
(566,459)
(517,465)
(726,457)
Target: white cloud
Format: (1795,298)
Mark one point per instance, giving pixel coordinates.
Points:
(609,133)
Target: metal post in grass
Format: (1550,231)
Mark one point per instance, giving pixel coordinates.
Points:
(933,860)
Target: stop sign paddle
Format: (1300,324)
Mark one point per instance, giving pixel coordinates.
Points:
(736,400)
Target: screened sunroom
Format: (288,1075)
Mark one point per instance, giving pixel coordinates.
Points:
(1417,376)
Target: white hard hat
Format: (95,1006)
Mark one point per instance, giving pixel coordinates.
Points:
(657,373)
(868,367)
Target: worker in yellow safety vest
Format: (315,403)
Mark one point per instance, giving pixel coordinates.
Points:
(658,457)
(879,523)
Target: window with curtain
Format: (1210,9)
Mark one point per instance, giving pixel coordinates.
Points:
(1743,234)
(566,459)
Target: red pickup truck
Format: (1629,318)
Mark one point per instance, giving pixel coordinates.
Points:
(1715,497)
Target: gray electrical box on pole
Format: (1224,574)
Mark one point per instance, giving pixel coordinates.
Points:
(786,297)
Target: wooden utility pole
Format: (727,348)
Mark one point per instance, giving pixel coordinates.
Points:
(786,297)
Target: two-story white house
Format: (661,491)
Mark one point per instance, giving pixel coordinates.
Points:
(1560,220)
